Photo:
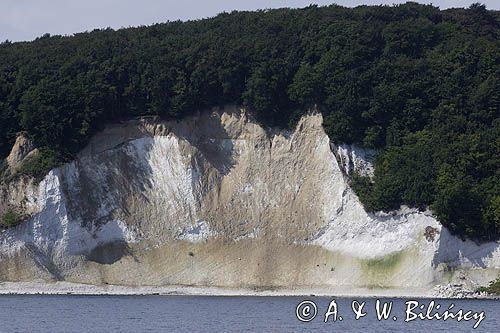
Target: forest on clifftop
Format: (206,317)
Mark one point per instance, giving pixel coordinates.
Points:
(420,84)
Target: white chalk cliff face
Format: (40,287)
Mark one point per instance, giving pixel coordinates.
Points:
(216,200)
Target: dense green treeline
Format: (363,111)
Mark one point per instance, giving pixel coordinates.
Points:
(420,84)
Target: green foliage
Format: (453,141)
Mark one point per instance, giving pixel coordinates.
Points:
(363,187)
(420,84)
(9,219)
(457,205)
(493,288)
(40,164)
(492,213)
(4,170)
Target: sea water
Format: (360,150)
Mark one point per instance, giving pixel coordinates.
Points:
(70,313)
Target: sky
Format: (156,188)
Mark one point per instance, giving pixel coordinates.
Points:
(27,19)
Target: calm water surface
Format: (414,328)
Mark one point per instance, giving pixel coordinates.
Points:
(219,314)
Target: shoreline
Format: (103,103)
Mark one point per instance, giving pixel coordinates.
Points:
(79,289)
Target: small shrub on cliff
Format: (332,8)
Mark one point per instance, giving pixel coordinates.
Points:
(40,164)
(4,170)
(10,219)
(493,288)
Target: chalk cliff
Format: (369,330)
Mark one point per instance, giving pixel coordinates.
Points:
(217,200)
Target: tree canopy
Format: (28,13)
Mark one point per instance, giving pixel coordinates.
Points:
(420,84)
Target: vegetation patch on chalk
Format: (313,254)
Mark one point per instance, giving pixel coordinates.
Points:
(493,288)
(40,164)
(10,218)
(4,170)
(386,263)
